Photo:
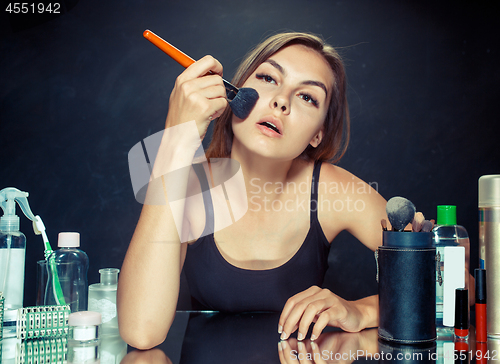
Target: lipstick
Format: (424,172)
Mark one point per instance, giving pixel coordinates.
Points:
(461,313)
(481,331)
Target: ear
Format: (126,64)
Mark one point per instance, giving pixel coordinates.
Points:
(316,140)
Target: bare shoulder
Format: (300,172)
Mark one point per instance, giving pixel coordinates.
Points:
(335,181)
(346,202)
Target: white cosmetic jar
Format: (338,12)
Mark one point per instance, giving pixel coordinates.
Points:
(84,326)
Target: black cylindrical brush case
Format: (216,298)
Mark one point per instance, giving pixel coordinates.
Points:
(406,266)
(407,353)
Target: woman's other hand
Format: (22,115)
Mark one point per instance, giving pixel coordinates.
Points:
(198,94)
(324,308)
(332,347)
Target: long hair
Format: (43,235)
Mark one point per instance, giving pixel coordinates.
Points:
(337,122)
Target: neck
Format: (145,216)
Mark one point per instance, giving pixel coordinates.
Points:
(263,174)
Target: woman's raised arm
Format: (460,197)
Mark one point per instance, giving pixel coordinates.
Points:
(149,281)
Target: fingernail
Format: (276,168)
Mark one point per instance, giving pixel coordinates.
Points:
(300,336)
(313,337)
(280,329)
(300,345)
(283,336)
(283,345)
(279,346)
(313,345)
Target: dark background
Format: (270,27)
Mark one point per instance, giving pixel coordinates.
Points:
(79,90)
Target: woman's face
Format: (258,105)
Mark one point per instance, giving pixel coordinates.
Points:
(294,87)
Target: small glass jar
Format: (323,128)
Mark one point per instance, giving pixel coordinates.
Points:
(84,326)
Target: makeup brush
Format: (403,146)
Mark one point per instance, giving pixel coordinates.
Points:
(418,220)
(427,226)
(400,212)
(240,100)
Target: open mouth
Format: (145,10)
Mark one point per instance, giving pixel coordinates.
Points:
(270,126)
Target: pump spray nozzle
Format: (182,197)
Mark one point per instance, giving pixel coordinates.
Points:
(8,198)
(10,221)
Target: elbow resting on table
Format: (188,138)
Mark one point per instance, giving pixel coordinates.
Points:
(144,336)
(142,339)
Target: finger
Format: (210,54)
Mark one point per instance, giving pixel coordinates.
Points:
(286,334)
(286,353)
(297,305)
(321,322)
(203,66)
(316,354)
(281,355)
(292,301)
(188,86)
(206,103)
(309,315)
(218,106)
(293,321)
(214,92)
(302,353)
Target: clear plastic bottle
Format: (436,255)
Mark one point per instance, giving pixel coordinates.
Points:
(12,255)
(102,298)
(454,239)
(71,266)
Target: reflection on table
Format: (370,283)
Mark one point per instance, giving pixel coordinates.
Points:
(110,349)
(210,337)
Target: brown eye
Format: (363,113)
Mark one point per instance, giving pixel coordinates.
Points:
(309,99)
(265,78)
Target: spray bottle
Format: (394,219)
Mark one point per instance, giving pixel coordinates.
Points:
(12,255)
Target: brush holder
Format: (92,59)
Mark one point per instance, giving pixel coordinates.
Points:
(406,284)
(407,354)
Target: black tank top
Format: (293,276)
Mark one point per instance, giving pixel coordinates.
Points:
(215,284)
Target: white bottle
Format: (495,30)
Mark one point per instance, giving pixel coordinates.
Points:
(102,298)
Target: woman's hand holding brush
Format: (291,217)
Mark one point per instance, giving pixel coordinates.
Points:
(198,95)
(241,100)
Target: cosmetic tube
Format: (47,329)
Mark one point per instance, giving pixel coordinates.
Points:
(481,320)
(461,313)
(489,246)
(482,354)
(461,352)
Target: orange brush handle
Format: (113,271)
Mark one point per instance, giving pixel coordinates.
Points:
(182,58)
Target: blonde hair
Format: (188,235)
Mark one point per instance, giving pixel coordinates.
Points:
(337,122)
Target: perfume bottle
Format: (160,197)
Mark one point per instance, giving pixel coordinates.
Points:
(102,298)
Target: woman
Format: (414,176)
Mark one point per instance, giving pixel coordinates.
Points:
(275,256)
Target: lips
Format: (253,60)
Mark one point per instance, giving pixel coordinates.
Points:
(270,126)
(273,125)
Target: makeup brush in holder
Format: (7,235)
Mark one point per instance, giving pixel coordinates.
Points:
(406,266)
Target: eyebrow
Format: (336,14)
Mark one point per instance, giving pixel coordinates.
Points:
(308,82)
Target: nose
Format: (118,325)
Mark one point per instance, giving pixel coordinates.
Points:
(282,103)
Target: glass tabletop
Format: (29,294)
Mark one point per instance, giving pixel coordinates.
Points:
(211,337)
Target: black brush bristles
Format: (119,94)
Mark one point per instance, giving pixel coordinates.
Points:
(244,101)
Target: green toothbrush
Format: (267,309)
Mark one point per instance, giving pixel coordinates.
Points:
(39,228)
